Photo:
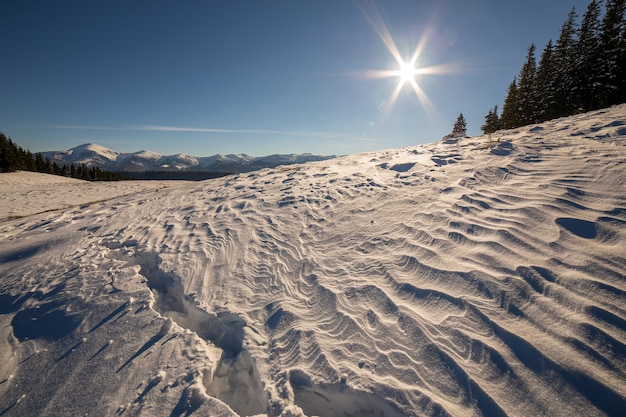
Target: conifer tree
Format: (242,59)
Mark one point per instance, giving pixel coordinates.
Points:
(611,43)
(5,153)
(40,165)
(526,90)
(83,172)
(621,67)
(586,59)
(509,117)
(564,52)
(545,85)
(460,126)
(492,121)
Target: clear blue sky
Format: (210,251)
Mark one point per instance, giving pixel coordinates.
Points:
(257,76)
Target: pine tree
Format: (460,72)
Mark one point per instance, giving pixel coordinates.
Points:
(492,121)
(460,127)
(509,118)
(29,161)
(564,52)
(13,157)
(5,153)
(611,42)
(621,68)
(526,90)
(40,165)
(47,166)
(83,172)
(545,85)
(586,61)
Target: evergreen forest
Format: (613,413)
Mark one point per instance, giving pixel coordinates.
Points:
(584,70)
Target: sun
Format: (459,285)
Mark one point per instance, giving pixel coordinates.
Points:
(405,70)
(409,72)
(406,73)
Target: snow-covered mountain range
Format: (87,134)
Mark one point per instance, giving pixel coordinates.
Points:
(95,155)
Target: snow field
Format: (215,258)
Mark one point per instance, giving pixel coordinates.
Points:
(483,276)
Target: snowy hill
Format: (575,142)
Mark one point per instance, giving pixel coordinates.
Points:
(481,277)
(110,160)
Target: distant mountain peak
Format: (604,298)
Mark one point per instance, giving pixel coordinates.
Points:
(92,154)
(94,147)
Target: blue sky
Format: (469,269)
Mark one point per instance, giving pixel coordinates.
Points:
(257,76)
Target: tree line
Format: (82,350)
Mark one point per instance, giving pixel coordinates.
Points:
(15,158)
(584,70)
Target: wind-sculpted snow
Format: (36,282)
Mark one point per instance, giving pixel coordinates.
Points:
(482,276)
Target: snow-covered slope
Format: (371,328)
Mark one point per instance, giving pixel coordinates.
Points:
(107,159)
(89,153)
(482,277)
(26,193)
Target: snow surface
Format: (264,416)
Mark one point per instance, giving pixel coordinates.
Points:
(484,276)
(26,193)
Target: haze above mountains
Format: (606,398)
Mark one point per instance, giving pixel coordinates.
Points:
(92,154)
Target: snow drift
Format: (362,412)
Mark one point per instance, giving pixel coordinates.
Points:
(484,276)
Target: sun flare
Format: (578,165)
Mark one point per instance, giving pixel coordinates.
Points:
(408,72)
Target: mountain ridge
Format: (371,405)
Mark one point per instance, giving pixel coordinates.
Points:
(92,154)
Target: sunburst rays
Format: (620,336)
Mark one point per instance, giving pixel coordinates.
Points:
(407,70)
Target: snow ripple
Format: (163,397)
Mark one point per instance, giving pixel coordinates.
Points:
(484,276)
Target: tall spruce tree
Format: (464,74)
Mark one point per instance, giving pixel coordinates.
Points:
(545,84)
(586,60)
(564,52)
(492,121)
(7,156)
(460,126)
(621,67)
(509,118)
(526,90)
(611,43)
